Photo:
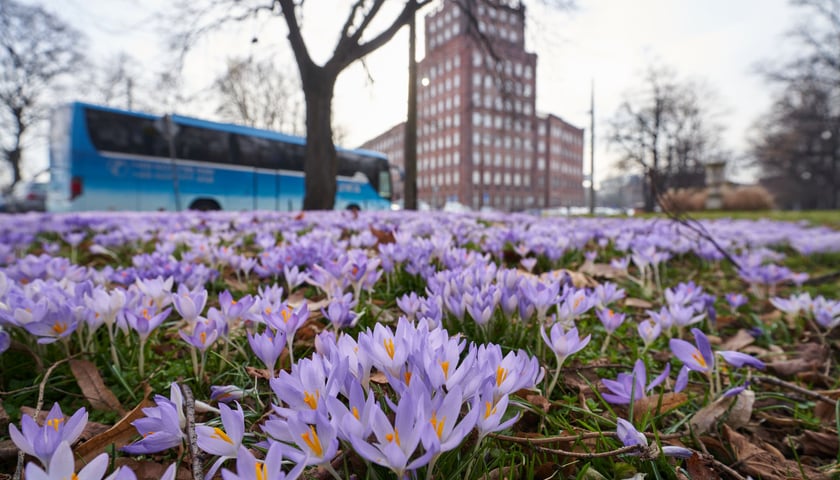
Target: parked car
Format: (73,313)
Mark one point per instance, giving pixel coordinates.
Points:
(28,197)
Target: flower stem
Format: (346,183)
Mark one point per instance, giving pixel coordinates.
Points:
(142,358)
(554,379)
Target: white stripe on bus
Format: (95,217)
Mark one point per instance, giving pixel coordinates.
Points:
(214,165)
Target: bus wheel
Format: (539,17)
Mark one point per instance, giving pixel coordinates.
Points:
(205,204)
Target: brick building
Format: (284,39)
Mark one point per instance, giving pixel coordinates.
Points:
(480,141)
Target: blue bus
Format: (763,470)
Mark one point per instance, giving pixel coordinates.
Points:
(103,158)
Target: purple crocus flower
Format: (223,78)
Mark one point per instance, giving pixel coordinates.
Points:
(316,441)
(145,321)
(409,304)
(697,357)
(735,300)
(340,312)
(629,436)
(203,336)
(564,343)
(223,443)
(492,409)
(627,388)
(54,325)
(249,468)
(42,441)
(160,428)
(61,466)
(627,433)
(649,331)
(738,359)
(610,319)
(268,346)
(189,304)
(226,393)
(394,445)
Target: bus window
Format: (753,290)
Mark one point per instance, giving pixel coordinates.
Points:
(385,184)
(202,145)
(114,132)
(289,156)
(252,151)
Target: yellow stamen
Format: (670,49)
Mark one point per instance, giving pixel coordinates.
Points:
(697,356)
(393,437)
(286,313)
(55,422)
(203,337)
(73,476)
(445,367)
(407,376)
(221,435)
(59,327)
(311,400)
(259,471)
(268,310)
(438,425)
(312,441)
(389,347)
(501,375)
(489,409)
(356,413)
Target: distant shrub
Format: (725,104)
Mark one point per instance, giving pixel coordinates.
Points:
(752,197)
(684,200)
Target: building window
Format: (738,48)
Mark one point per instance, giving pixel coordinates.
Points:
(476,177)
(487,178)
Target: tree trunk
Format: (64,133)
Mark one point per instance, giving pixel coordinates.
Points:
(321,161)
(13,156)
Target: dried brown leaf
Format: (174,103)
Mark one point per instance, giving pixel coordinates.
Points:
(539,401)
(603,270)
(4,417)
(579,279)
(818,444)
(378,378)
(700,468)
(152,470)
(258,372)
(633,302)
(94,389)
(120,434)
(651,404)
(738,341)
(734,411)
(764,461)
(382,236)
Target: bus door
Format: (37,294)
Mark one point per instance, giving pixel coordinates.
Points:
(255,152)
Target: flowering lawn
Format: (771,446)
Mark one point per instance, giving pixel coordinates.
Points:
(416,345)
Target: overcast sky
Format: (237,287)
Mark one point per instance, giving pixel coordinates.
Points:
(609,42)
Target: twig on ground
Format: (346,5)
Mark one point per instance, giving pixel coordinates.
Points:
(192,438)
(794,387)
(572,438)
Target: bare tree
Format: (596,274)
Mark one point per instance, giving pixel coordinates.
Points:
(668,128)
(368,26)
(797,144)
(258,94)
(37,50)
